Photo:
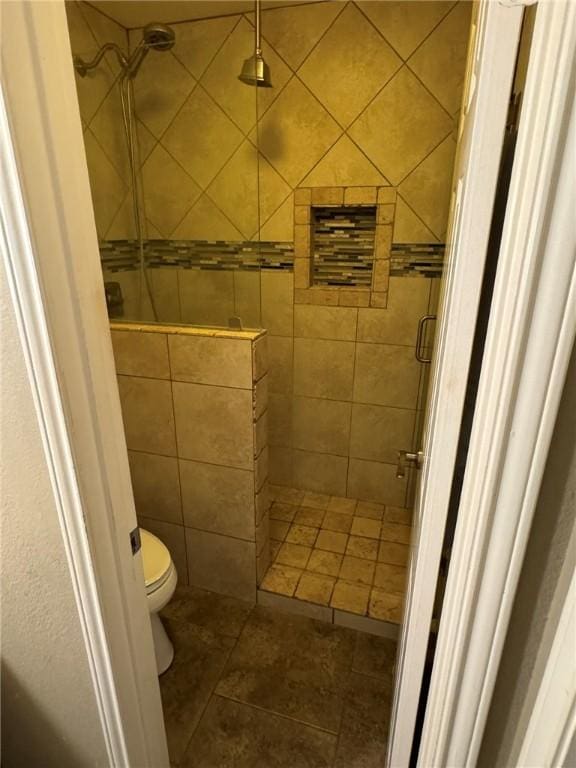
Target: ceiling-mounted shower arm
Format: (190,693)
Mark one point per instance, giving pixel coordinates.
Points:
(83,67)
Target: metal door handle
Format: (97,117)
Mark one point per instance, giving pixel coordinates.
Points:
(420,338)
(404,458)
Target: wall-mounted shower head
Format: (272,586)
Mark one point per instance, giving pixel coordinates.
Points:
(158,36)
(155,37)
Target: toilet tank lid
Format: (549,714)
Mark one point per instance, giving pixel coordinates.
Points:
(155,557)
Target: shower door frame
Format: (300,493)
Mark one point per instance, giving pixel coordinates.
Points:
(56,284)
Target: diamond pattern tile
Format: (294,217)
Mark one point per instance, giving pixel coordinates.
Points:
(221,77)
(295,35)
(343,75)
(296,132)
(235,189)
(108,189)
(202,124)
(198,42)
(344,165)
(170,191)
(408,227)
(162,86)
(405,24)
(204,221)
(440,62)
(427,189)
(108,127)
(397,146)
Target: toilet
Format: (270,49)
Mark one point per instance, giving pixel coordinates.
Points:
(160,577)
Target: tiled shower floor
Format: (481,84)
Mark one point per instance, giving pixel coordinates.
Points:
(342,554)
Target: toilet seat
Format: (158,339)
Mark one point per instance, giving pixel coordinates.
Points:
(156,561)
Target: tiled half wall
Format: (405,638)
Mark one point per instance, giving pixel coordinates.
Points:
(194,406)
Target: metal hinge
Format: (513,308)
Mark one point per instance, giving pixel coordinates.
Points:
(135,542)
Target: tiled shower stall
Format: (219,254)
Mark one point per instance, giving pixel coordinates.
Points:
(313,214)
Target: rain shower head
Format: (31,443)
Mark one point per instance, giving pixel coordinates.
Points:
(255,71)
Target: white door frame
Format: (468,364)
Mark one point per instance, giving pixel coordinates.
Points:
(52,259)
(50,250)
(494,39)
(529,339)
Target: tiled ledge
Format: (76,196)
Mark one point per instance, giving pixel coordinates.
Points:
(327,614)
(187,330)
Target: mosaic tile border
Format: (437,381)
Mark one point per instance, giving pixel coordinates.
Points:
(406,259)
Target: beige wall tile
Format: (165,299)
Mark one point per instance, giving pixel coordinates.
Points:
(173,537)
(408,227)
(315,500)
(247,298)
(279,420)
(307,132)
(349,65)
(260,397)
(261,434)
(323,368)
(366,624)
(297,607)
(338,323)
(374,481)
(277,302)
(206,360)
(419,123)
(205,221)
(405,25)
(378,432)
(201,126)
(280,356)
(141,354)
(280,466)
(148,414)
(398,323)
(386,375)
(261,469)
(440,62)
(156,486)
(321,425)
(221,564)
(262,502)
(198,41)
(260,357)
(294,36)
(164,286)
(206,297)
(319,472)
(168,190)
(214,424)
(427,189)
(345,165)
(218,499)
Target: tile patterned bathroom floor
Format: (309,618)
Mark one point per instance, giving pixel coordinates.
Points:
(340,553)
(253,687)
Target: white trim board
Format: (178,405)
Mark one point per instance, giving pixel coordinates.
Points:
(56,282)
(528,344)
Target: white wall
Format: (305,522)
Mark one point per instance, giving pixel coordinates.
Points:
(549,562)
(49,714)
